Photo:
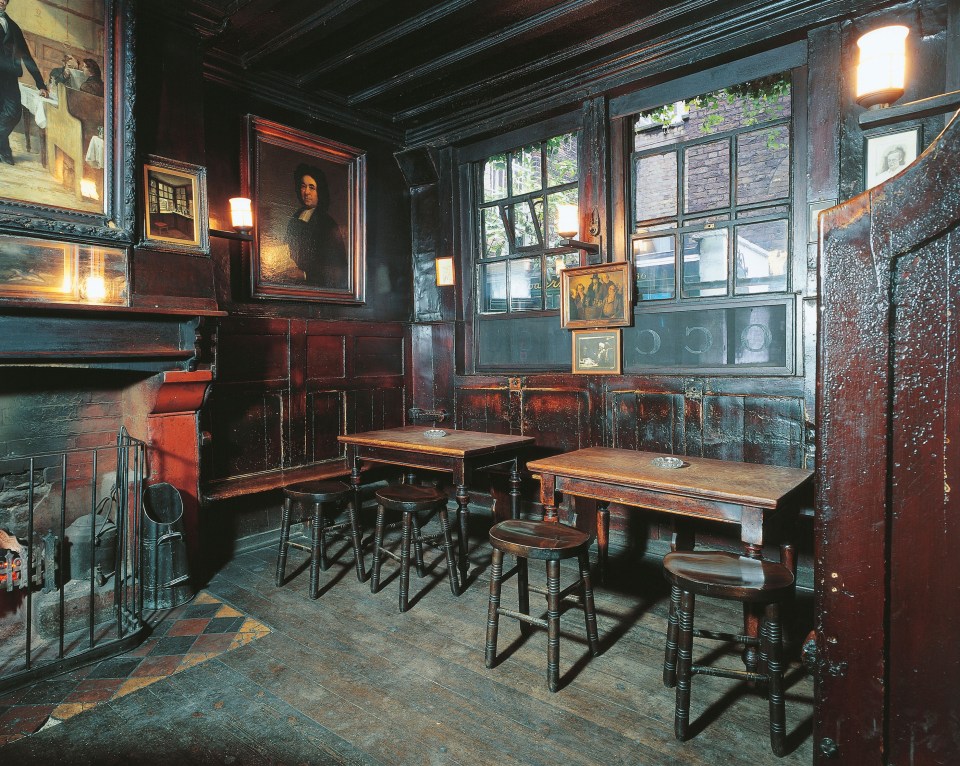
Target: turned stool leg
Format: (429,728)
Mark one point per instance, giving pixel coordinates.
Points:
(284,541)
(377,544)
(316,550)
(773,635)
(418,545)
(321,523)
(589,608)
(523,595)
(452,572)
(681,720)
(493,617)
(553,625)
(356,538)
(405,560)
(670,654)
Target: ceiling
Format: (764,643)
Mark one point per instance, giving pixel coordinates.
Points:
(409,64)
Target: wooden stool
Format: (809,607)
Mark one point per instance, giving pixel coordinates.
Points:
(548,542)
(318,494)
(735,578)
(410,499)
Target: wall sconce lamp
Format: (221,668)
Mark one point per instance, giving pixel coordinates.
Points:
(241,218)
(445,275)
(883,61)
(568,225)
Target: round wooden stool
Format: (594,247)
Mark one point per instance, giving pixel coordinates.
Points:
(411,499)
(550,542)
(728,576)
(318,495)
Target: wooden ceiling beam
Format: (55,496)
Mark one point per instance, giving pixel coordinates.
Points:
(555,14)
(288,36)
(386,37)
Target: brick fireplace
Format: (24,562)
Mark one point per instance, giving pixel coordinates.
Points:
(68,385)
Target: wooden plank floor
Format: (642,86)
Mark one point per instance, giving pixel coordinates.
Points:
(347,679)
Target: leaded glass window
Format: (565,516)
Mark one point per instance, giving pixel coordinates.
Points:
(520,255)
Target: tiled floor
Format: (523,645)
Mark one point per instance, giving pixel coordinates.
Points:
(186,636)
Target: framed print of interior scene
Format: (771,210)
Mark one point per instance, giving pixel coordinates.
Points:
(59,154)
(596,352)
(889,154)
(308,195)
(175,196)
(596,296)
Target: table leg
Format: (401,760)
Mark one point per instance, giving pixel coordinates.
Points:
(357,527)
(548,497)
(603,539)
(463,514)
(514,490)
(751,614)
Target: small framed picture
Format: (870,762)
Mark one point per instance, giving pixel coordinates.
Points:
(596,352)
(596,296)
(175,206)
(888,154)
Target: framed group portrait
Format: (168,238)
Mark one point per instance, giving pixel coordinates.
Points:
(309,197)
(888,154)
(596,352)
(175,215)
(596,296)
(66,162)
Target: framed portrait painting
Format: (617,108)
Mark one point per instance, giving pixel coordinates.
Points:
(889,154)
(596,296)
(68,153)
(309,210)
(175,213)
(596,352)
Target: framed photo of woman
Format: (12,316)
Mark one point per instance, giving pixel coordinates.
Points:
(889,154)
(596,296)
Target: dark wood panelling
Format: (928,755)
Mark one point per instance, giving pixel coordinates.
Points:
(286,388)
(374,355)
(326,357)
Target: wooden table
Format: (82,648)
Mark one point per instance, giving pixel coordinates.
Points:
(459,452)
(745,494)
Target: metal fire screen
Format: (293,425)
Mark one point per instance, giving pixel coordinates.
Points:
(70,586)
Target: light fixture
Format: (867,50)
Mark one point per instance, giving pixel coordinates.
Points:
(568,225)
(241,214)
(241,218)
(880,73)
(445,275)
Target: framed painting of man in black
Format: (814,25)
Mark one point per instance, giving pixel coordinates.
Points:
(309,197)
(596,296)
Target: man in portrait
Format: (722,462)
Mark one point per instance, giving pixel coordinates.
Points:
(314,237)
(14,56)
(894,160)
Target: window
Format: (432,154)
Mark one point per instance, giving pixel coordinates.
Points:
(711,194)
(519,252)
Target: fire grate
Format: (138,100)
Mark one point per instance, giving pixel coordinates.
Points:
(70,586)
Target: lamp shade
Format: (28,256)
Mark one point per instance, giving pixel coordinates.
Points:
(883,60)
(568,220)
(241,214)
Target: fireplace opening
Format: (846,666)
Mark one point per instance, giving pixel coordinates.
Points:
(71,481)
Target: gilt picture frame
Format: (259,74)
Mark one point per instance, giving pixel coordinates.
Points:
(596,352)
(309,211)
(70,170)
(175,215)
(596,296)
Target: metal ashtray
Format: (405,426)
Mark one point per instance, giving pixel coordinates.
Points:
(434,433)
(666,462)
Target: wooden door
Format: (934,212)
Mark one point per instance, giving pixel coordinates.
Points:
(887,568)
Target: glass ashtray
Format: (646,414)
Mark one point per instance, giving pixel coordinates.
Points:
(434,433)
(666,462)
